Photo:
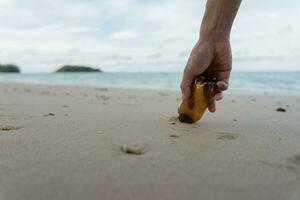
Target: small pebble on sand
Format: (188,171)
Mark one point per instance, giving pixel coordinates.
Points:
(49,114)
(174,135)
(280,109)
(132,149)
(9,128)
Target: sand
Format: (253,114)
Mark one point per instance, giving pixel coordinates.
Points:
(69,141)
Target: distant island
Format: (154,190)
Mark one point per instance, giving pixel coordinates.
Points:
(75,68)
(9,68)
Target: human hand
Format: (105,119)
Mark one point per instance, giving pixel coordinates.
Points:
(211,58)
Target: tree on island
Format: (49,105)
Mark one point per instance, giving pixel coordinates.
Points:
(75,68)
(9,68)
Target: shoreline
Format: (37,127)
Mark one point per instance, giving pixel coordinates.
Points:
(67,142)
(286,83)
(230,91)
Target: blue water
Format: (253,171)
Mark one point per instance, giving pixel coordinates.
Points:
(241,82)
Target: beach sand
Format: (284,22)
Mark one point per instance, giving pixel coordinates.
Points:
(67,142)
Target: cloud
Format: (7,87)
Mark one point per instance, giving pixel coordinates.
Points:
(134,34)
(155,56)
(124,35)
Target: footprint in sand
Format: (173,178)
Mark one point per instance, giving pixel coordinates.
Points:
(44,92)
(279,166)
(49,115)
(101,89)
(226,136)
(294,159)
(163,94)
(103,97)
(172,119)
(129,104)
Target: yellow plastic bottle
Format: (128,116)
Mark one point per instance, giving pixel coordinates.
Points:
(202,90)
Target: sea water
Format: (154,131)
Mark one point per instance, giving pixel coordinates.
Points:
(240,82)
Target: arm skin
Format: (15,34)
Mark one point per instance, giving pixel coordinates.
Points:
(212,53)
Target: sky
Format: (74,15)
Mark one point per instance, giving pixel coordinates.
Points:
(141,35)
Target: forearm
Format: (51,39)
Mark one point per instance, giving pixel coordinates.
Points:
(218,19)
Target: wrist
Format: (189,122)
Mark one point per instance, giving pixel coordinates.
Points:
(214,34)
(218,19)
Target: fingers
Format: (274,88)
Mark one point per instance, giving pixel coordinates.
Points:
(211,106)
(222,85)
(188,77)
(218,96)
(197,63)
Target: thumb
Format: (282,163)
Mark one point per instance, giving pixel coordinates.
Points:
(196,65)
(187,79)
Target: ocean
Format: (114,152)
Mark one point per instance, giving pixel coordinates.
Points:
(287,83)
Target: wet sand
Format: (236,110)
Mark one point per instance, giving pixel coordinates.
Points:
(60,142)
